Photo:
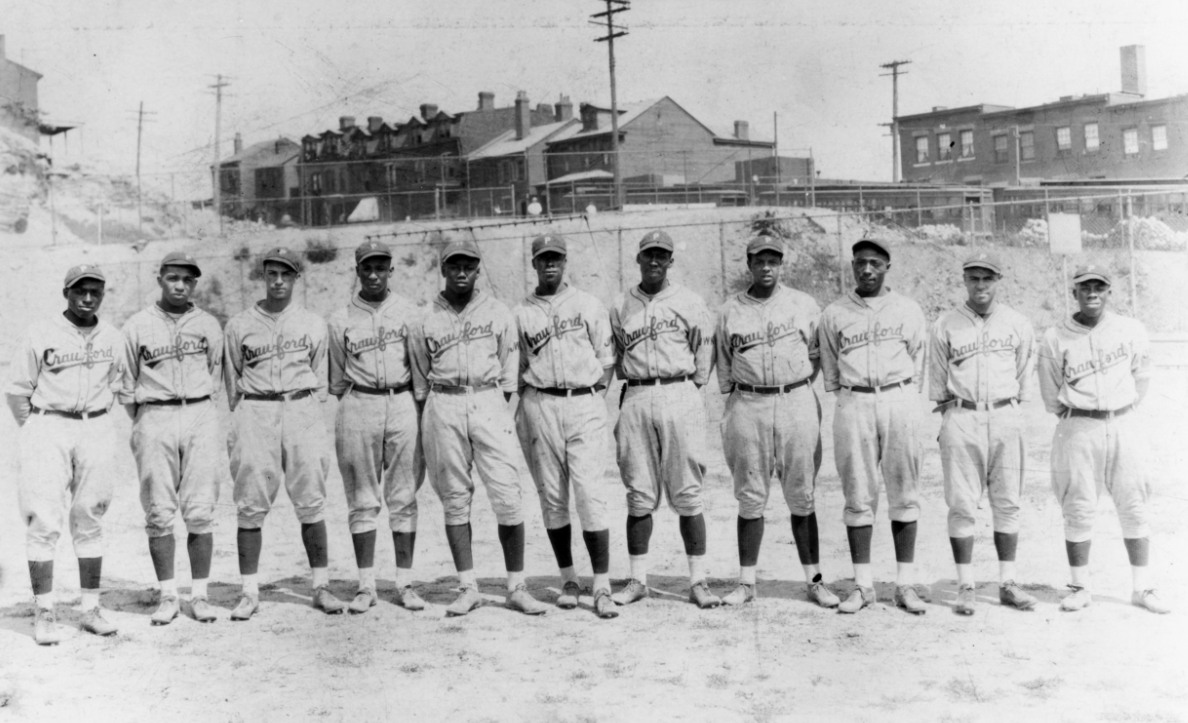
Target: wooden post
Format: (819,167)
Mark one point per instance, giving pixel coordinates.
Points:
(722,256)
(1064,283)
(841,258)
(1133,267)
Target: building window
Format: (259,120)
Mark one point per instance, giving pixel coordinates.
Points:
(922,149)
(1001,154)
(1130,144)
(1159,138)
(1027,146)
(1092,142)
(1063,138)
(315,183)
(944,147)
(967,148)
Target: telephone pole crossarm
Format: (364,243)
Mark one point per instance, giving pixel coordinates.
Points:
(894,66)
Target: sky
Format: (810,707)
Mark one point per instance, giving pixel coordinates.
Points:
(294,67)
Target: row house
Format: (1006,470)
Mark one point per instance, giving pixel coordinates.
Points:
(260,182)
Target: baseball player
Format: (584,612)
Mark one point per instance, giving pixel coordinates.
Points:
(979,374)
(664,351)
(378,435)
(1094,370)
(175,361)
(566,361)
(872,347)
(275,372)
(63,380)
(767,360)
(463,352)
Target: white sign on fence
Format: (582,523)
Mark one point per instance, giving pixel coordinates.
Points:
(1064,233)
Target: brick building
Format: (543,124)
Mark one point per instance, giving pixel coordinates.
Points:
(260,181)
(1107,136)
(18,97)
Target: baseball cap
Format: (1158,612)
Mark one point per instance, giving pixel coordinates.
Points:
(80,272)
(869,243)
(367,249)
(463,247)
(282,255)
(181,258)
(656,240)
(765,242)
(983,260)
(1091,272)
(549,242)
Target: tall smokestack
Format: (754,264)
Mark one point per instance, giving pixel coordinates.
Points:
(1134,69)
(238,143)
(523,115)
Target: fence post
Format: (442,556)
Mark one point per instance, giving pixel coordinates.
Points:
(620,254)
(1133,267)
(841,266)
(919,210)
(722,257)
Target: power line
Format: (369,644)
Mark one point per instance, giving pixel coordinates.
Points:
(613,31)
(217,180)
(893,66)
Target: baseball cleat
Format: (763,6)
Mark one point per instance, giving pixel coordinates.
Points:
(820,593)
(700,594)
(1150,600)
(364,601)
(245,608)
(94,622)
(1009,593)
(466,601)
(568,599)
(907,598)
(325,601)
(1078,600)
(202,610)
(923,592)
(166,611)
(522,600)
(604,606)
(860,597)
(744,593)
(966,600)
(634,590)
(407,598)
(45,627)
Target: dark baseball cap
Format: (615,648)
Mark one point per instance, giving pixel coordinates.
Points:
(656,240)
(1090,273)
(282,255)
(464,247)
(765,242)
(368,249)
(869,243)
(553,242)
(80,272)
(983,260)
(181,258)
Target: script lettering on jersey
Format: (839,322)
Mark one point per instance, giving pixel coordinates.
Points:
(279,348)
(655,328)
(877,334)
(468,333)
(983,345)
(773,333)
(55,362)
(378,341)
(1103,361)
(181,347)
(557,328)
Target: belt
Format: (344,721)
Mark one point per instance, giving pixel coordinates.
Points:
(559,392)
(452,389)
(68,415)
(279,397)
(175,402)
(657,381)
(983,406)
(1099,413)
(884,388)
(772,390)
(389,391)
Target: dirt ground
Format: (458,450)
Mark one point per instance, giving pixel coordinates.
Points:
(780,658)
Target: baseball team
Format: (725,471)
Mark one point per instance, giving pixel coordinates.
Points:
(426,393)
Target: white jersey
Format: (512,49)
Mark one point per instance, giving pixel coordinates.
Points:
(768,342)
(662,336)
(369,344)
(1093,368)
(565,340)
(871,341)
(172,356)
(981,359)
(66,368)
(275,354)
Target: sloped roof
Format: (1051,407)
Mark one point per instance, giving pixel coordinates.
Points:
(291,149)
(506,143)
(595,175)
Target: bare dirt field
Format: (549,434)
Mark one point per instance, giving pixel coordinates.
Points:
(780,658)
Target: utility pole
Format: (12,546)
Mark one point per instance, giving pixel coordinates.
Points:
(613,31)
(140,114)
(220,83)
(893,66)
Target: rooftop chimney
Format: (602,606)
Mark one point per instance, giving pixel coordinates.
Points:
(373,123)
(589,117)
(742,130)
(1134,70)
(428,111)
(563,109)
(238,143)
(523,115)
(486,100)
(346,122)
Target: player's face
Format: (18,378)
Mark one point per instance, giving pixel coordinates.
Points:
(870,268)
(550,268)
(981,285)
(373,274)
(765,268)
(1092,296)
(177,284)
(279,281)
(654,265)
(83,299)
(460,273)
